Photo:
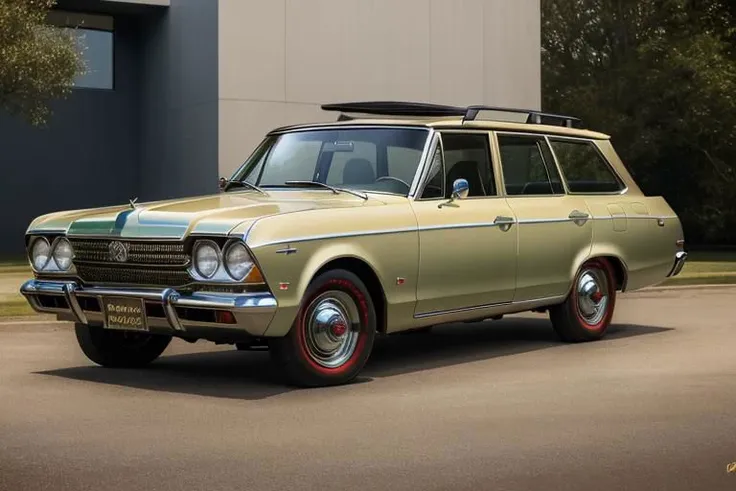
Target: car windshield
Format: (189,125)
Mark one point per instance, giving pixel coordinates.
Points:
(381,160)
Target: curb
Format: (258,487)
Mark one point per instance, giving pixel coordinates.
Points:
(686,287)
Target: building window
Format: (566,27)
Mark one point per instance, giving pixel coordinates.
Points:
(94,34)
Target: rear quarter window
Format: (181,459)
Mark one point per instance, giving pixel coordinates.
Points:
(585,170)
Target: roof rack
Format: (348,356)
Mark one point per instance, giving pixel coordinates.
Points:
(470,113)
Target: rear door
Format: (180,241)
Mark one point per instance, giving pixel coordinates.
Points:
(554,229)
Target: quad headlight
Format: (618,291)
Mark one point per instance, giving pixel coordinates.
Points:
(63,254)
(40,253)
(238,262)
(231,263)
(51,257)
(206,258)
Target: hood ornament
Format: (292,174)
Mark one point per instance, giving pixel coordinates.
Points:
(132,202)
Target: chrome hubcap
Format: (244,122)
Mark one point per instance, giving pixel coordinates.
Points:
(332,329)
(592,291)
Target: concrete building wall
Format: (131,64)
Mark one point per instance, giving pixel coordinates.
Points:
(280,59)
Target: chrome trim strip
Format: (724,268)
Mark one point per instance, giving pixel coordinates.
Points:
(459,311)
(418,180)
(488,306)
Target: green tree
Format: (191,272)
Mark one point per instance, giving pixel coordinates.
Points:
(660,77)
(38,62)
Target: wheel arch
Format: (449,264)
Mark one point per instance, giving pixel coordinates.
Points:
(616,262)
(367,275)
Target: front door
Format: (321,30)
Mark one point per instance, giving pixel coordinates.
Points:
(467,247)
(554,229)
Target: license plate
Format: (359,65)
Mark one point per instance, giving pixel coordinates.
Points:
(128,314)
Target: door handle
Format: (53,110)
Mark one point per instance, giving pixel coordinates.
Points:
(578,217)
(504,223)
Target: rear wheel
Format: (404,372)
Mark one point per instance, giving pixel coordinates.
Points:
(120,349)
(332,336)
(587,312)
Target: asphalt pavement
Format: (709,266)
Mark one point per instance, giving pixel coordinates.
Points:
(500,405)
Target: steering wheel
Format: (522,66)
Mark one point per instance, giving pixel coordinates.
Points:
(392,178)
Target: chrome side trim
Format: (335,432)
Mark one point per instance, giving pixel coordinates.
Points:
(459,311)
(489,306)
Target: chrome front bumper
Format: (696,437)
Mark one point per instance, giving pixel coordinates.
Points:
(70,301)
(680,259)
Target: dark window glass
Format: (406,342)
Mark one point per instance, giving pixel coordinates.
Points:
(467,156)
(585,169)
(528,167)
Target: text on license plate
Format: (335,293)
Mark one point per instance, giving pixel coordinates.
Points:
(125,313)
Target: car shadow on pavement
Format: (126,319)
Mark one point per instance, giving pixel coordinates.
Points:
(465,343)
(250,375)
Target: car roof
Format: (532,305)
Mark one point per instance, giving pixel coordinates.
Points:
(420,114)
(450,124)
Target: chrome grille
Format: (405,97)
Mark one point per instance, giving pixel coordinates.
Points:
(149,263)
(132,276)
(170,254)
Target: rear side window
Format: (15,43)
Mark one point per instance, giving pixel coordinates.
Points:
(528,166)
(584,168)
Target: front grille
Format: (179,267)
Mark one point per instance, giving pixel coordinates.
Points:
(148,263)
(132,276)
(169,254)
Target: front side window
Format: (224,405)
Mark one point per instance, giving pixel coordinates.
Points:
(467,156)
(584,168)
(528,166)
(369,159)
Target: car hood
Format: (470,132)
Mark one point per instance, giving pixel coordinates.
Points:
(175,219)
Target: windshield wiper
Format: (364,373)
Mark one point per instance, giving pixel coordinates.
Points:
(326,186)
(244,184)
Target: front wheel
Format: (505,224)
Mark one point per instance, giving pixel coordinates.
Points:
(120,349)
(332,336)
(587,312)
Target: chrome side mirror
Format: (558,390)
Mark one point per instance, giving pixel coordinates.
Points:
(460,189)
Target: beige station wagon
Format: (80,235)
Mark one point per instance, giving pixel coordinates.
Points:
(397,217)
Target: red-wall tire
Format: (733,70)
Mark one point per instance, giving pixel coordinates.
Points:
(332,335)
(588,310)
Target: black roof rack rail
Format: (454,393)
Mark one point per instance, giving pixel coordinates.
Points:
(422,109)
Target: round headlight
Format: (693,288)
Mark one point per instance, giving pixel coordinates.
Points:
(238,262)
(207,258)
(63,254)
(40,253)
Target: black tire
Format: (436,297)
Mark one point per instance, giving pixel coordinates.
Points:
(582,317)
(296,354)
(120,349)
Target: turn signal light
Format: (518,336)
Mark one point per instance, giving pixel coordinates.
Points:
(254,277)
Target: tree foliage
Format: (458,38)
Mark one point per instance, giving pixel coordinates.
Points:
(660,77)
(38,62)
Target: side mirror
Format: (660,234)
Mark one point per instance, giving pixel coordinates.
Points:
(222,183)
(460,189)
